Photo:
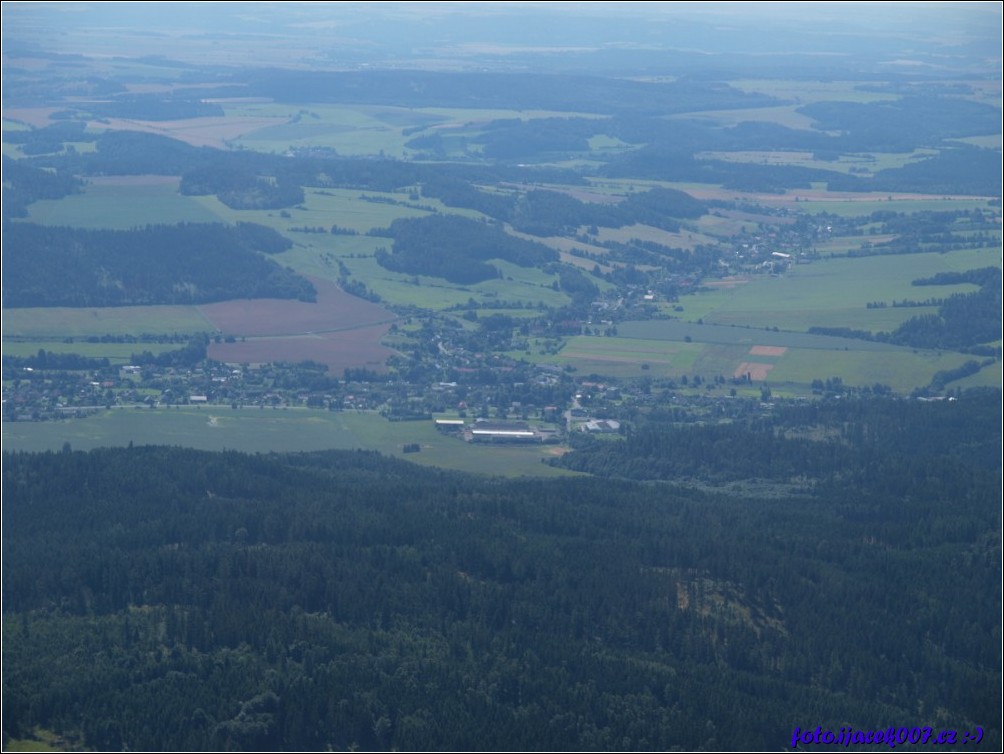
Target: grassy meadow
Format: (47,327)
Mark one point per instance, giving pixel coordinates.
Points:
(121,204)
(870,162)
(116,353)
(834,292)
(788,360)
(255,430)
(63,322)
(371,130)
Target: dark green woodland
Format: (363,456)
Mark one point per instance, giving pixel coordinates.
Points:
(162,598)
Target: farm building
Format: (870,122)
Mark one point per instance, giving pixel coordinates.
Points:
(449,425)
(601,426)
(484,431)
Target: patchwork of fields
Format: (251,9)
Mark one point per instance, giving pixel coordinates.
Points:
(750,327)
(784,360)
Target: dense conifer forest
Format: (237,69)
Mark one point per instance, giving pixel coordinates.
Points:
(160,264)
(165,598)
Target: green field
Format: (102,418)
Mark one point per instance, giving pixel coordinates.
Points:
(993,141)
(624,358)
(363,130)
(834,292)
(318,253)
(806,91)
(519,284)
(858,208)
(63,322)
(683,239)
(871,162)
(660,349)
(323,208)
(42,740)
(254,430)
(901,370)
(782,115)
(122,206)
(739,335)
(116,353)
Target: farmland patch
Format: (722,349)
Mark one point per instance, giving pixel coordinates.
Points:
(768,351)
(755,371)
(902,369)
(258,430)
(214,131)
(339,330)
(116,353)
(834,292)
(333,310)
(122,203)
(748,337)
(356,348)
(112,320)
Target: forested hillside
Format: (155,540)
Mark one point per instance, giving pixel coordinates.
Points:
(457,249)
(161,264)
(166,598)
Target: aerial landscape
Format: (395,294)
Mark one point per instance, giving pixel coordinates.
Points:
(501,376)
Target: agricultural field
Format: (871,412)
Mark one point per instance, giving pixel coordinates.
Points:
(862,164)
(781,115)
(255,430)
(682,239)
(368,130)
(860,205)
(218,132)
(902,369)
(749,324)
(338,329)
(63,322)
(625,358)
(804,92)
(783,360)
(121,203)
(833,292)
(355,348)
(519,285)
(334,310)
(116,353)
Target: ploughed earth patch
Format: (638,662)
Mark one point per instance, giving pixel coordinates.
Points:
(768,351)
(756,371)
(339,330)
